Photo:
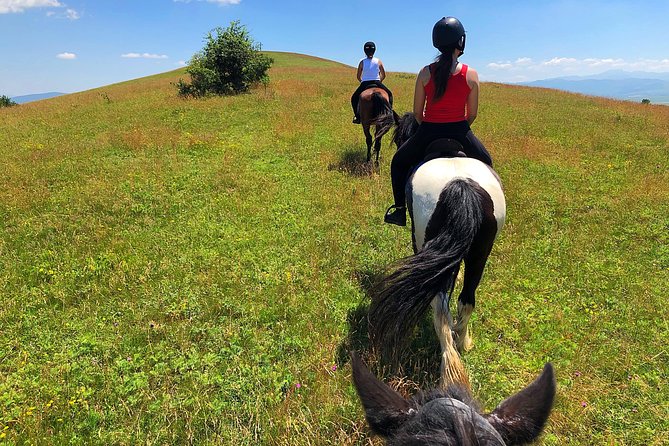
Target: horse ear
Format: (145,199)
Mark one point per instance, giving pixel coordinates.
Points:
(396,118)
(520,418)
(385,409)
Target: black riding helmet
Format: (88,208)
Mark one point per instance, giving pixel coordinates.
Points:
(447,33)
(370,48)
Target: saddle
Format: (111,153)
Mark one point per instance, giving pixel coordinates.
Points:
(444,148)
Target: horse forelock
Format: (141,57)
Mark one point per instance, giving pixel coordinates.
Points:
(447,421)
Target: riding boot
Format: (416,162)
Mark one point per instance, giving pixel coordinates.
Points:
(356,119)
(396,215)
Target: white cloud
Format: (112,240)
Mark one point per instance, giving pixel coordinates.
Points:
(525,68)
(500,65)
(559,61)
(218,2)
(143,56)
(66,56)
(523,61)
(182,63)
(72,14)
(9,6)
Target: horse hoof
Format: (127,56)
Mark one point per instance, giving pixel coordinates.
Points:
(464,345)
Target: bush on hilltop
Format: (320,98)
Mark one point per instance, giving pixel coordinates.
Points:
(6,101)
(229,63)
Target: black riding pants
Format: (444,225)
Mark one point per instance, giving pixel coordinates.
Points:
(364,85)
(413,150)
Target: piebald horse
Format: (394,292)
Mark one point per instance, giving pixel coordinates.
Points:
(450,416)
(374,109)
(457,209)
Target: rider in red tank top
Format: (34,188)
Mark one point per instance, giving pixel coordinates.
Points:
(451,106)
(445,105)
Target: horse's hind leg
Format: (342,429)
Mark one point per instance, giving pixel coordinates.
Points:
(368,140)
(377,145)
(474,264)
(451,370)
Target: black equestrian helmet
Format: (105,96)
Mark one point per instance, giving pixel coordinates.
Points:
(448,32)
(370,48)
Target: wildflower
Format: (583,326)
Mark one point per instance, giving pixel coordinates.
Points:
(577,374)
(298,385)
(334,367)
(584,404)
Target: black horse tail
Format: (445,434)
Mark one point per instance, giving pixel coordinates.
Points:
(386,118)
(403,296)
(407,126)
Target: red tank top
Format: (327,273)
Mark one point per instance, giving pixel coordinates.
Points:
(451,106)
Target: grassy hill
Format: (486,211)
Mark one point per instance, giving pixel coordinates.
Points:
(192,271)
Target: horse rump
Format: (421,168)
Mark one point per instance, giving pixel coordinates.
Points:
(403,295)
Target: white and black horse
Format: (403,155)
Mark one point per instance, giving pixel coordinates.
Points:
(457,209)
(450,416)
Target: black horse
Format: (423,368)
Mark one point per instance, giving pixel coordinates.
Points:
(450,416)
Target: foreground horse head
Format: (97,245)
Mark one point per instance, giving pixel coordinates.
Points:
(374,109)
(457,209)
(451,416)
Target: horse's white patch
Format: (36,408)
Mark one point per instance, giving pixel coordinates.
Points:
(432,177)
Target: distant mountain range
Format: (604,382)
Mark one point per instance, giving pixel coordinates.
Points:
(35,97)
(628,85)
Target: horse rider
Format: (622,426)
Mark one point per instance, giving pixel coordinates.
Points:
(370,74)
(445,105)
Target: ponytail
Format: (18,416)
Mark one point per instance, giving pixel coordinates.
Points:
(442,71)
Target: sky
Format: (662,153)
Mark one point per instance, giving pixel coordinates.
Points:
(75,45)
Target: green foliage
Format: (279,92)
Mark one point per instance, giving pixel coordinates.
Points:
(645,101)
(230,63)
(6,101)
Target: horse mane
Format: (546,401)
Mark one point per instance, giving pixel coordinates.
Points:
(407,126)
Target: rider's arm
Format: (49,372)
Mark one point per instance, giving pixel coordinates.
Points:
(473,98)
(360,72)
(419,94)
(382,71)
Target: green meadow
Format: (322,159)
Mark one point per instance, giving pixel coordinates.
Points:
(179,271)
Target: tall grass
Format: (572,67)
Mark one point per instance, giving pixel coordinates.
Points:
(192,271)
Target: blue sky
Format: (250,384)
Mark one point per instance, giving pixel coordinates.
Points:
(74,45)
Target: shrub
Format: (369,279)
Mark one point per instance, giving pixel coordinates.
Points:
(645,101)
(6,101)
(229,63)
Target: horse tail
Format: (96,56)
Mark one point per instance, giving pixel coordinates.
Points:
(385,117)
(407,126)
(403,296)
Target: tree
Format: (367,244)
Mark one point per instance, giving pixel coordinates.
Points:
(6,101)
(229,63)
(645,101)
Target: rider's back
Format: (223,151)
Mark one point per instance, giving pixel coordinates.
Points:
(370,69)
(450,107)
